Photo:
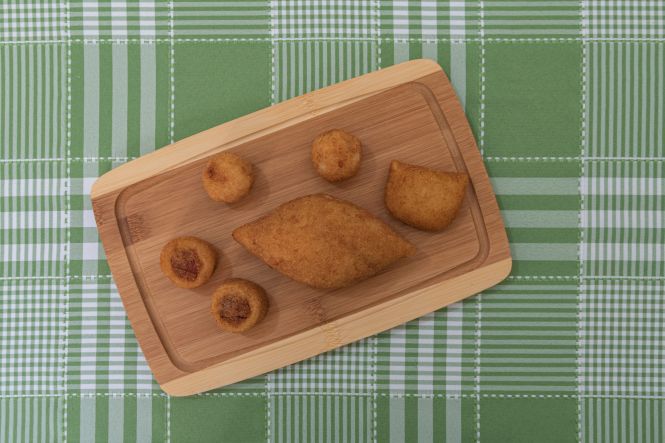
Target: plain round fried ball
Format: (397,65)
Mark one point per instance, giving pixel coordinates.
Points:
(188,261)
(238,305)
(336,155)
(227,177)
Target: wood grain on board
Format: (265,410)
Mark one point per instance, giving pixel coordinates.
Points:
(408,112)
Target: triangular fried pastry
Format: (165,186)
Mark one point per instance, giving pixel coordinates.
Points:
(424,198)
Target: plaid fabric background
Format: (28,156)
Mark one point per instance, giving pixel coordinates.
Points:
(566,100)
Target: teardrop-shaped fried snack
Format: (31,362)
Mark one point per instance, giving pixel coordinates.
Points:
(227,177)
(188,261)
(323,242)
(424,198)
(238,305)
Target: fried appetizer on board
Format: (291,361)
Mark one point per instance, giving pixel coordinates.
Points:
(323,242)
(424,198)
(336,155)
(188,261)
(227,177)
(238,305)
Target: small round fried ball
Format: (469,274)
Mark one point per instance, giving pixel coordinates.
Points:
(188,261)
(227,177)
(424,198)
(238,305)
(336,155)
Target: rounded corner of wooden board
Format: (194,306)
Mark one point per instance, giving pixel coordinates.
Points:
(504,267)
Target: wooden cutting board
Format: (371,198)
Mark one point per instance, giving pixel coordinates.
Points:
(407,112)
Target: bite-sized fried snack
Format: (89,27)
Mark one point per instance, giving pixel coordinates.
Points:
(424,198)
(323,242)
(188,261)
(238,305)
(227,177)
(336,155)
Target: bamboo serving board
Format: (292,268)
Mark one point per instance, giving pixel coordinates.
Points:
(407,112)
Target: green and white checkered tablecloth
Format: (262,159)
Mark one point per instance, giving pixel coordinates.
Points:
(566,99)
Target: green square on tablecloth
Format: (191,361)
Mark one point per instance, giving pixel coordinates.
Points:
(432,355)
(119,417)
(535,19)
(250,19)
(107,19)
(33,20)
(32,341)
(217,82)
(346,370)
(529,338)
(400,20)
(625,98)
(624,20)
(303,66)
(103,355)
(232,418)
(527,420)
(33,219)
(540,205)
(415,418)
(331,20)
(120,96)
(32,419)
(621,326)
(533,99)
(33,80)
(623,218)
(622,418)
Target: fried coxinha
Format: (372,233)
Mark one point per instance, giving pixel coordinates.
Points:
(323,241)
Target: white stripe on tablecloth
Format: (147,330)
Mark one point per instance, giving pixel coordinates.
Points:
(397,419)
(87,418)
(541,219)
(454,321)
(284,70)
(119,111)
(536,185)
(287,408)
(425,359)
(45,404)
(401,51)
(144,419)
(355,401)
(458,70)
(51,421)
(116,417)
(15,94)
(148,97)
(35,413)
(544,251)
(328,418)
(91,88)
(31,109)
(430,50)
(61,121)
(5,97)
(425,420)
(661,93)
(19,418)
